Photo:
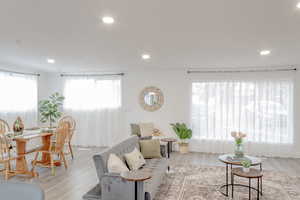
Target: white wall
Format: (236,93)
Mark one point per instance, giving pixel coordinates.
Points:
(175,85)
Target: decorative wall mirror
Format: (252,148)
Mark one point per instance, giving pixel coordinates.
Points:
(151,99)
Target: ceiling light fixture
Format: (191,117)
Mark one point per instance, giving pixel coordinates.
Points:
(298,5)
(50,60)
(265,52)
(108,20)
(146,56)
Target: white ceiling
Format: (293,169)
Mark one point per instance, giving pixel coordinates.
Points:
(177,33)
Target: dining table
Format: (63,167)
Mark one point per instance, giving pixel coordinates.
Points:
(23,151)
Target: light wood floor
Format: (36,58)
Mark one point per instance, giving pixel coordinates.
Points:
(71,184)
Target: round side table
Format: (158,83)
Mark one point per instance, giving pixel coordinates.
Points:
(229,161)
(138,177)
(169,147)
(252,174)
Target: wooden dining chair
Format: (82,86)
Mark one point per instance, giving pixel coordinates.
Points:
(55,148)
(4,127)
(5,156)
(72,123)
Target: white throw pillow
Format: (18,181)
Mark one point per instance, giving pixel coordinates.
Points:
(135,159)
(116,165)
(146,129)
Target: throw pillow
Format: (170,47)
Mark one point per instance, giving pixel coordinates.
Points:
(146,129)
(150,148)
(134,159)
(135,129)
(116,165)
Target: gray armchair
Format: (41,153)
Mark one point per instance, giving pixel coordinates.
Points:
(17,191)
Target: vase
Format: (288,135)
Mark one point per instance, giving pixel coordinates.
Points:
(246,170)
(239,150)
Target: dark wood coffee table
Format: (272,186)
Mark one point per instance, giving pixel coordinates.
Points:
(230,162)
(252,174)
(138,177)
(169,147)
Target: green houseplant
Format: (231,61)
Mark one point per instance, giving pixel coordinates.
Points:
(246,165)
(50,108)
(184,134)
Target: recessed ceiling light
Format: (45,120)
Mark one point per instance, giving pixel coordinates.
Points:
(146,56)
(108,20)
(50,60)
(298,5)
(265,52)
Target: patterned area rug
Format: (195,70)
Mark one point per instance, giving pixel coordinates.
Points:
(203,183)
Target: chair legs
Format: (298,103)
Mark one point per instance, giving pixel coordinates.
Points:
(34,161)
(7,169)
(52,165)
(62,156)
(71,150)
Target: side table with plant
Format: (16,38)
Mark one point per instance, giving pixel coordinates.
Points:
(184,134)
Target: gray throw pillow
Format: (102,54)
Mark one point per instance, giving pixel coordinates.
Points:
(135,129)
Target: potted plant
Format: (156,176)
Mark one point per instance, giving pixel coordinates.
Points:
(18,126)
(184,134)
(50,108)
(246,165)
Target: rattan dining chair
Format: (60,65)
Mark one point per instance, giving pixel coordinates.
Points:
(4,127)
(5,156)
(55,148)
(72,124)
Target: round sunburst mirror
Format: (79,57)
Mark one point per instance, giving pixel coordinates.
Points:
(151,99)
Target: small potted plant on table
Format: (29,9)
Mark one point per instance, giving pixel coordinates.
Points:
(184,134)
(246,165)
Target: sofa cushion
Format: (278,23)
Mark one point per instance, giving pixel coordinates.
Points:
(135,129)
(146,129)
(150,148)
(134,159)
(157,167)
(115,164)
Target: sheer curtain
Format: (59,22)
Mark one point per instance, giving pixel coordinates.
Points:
(19,96)
(261,108)
(96,106)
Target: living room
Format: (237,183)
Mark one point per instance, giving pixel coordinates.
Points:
(149,100)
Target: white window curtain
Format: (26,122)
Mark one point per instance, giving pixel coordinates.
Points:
(95,103)
(261,108)
(19,96)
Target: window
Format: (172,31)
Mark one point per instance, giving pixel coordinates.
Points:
(92,94)
(18,98)
(263,109)
(95,104)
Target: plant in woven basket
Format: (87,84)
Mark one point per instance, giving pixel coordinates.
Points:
(50,108)
(184,133)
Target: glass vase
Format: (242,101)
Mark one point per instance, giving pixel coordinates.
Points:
(239,150)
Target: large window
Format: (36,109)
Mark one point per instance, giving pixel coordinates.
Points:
(92,94)
(262,109)
(18,98)
(95,103)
